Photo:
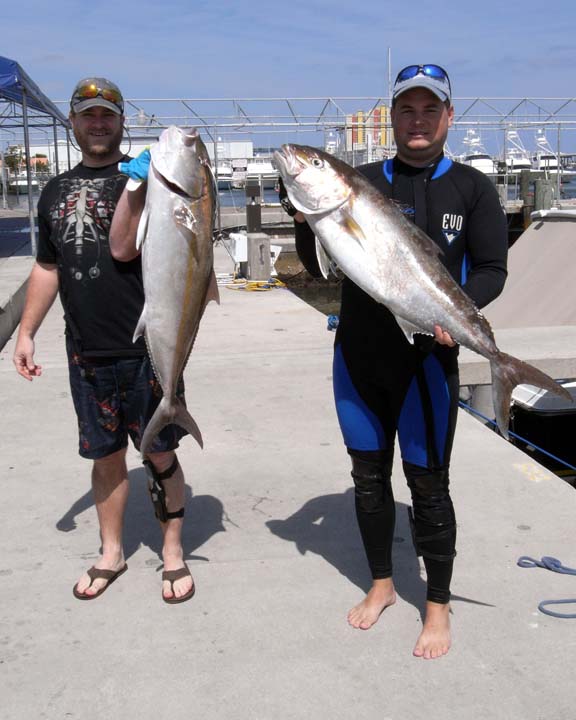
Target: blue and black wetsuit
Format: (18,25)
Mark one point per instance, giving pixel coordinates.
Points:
(384,386)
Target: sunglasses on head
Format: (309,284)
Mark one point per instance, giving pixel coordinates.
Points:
(432,71)
(87,92)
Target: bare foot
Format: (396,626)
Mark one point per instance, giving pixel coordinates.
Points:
(434,640)
(181,586)
(380,596)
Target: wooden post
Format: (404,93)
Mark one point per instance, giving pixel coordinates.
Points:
(527,196)
(543,194)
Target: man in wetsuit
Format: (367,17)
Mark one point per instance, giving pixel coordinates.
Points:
(383,385)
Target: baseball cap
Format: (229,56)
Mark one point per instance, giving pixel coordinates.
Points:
(95,91)
(431,77)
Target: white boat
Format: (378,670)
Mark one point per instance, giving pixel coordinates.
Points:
(517,158)
(234,173)
(545,159)
(261,168)
(18,183)
(224,175)
(476,155)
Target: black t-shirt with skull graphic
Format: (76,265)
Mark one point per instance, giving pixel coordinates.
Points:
(102,298)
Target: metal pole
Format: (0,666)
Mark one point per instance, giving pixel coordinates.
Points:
(4,181)
(68,149)
(218,212)
(56,147)
(559,168)
(390,73)
(28,174)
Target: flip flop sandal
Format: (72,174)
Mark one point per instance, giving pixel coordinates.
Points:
(171,576)
(95,573)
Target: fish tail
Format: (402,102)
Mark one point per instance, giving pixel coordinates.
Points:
(507,373)
(170,410)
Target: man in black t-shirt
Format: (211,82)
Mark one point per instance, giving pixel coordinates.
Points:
(384,387)
(113,387)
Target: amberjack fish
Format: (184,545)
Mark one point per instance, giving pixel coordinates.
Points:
(395,263)
(175,232)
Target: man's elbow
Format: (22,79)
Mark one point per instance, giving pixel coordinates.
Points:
(123,253)
(122,241)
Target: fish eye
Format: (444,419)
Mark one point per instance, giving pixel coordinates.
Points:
(317,162)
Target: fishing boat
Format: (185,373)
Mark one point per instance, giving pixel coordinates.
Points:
(545,159)
(517,158)
(542,425)
(476,155)
(261,169)
(224,175)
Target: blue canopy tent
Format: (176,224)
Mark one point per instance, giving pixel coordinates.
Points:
(18,90)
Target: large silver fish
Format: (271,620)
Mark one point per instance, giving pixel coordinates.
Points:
(395,263)
(175,232)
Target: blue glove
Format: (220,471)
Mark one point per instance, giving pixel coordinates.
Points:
(137,169)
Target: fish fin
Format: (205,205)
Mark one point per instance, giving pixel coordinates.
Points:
(186,421)
(212,293)
(323,259)
(409,329)
(142,228)
(507,373)
(170,410)
(351,228)
(184,216)
(141,326)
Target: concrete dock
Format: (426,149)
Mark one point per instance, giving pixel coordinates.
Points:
(271,540)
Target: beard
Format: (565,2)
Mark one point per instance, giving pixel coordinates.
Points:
(98,147)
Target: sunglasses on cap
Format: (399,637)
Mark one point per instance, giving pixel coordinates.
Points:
(432,71)
(91,91)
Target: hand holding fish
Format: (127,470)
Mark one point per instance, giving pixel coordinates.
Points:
(137,168)
(442,337)
(175,233)
(395,263)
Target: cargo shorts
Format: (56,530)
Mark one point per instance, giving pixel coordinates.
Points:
(114,399)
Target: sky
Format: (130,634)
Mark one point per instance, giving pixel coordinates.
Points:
(298,48)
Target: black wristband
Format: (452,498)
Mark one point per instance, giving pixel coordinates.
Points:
(288,207)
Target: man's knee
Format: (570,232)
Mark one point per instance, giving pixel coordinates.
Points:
(430,489)
(162,461)
(371,477)
(434,522)
(111,468)
(156,479)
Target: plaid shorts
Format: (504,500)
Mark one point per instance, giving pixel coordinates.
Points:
(114,400)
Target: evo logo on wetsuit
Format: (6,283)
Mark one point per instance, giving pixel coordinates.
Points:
(452,226)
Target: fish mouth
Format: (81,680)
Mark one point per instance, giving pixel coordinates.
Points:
(171,186)
(172,142)
(288,161)
(173,136)
(189,138)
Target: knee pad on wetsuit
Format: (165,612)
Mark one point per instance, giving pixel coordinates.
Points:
(158,492)
(433,523)
(371,481)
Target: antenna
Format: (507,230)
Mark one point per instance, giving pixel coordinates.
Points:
(389,72)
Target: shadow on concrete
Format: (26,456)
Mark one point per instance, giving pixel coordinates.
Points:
(204,515)
(326,525)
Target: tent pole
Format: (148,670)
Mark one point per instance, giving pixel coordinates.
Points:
(4,180)
(28,173)
(55,147)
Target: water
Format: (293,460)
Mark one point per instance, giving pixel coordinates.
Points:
(237,198)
